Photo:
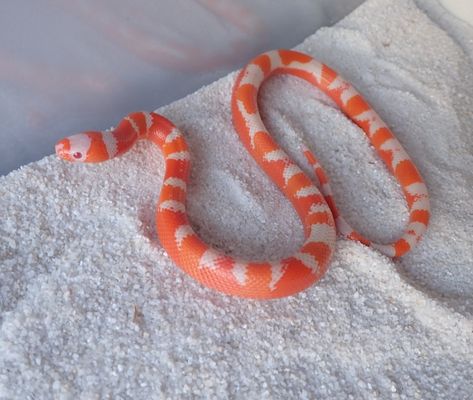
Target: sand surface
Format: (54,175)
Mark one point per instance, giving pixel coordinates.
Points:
(92,307)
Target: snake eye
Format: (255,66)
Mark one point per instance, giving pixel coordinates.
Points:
(77,155)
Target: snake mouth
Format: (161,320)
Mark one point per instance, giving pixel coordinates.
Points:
(62,149)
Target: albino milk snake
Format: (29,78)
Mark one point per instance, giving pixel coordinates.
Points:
(314,205)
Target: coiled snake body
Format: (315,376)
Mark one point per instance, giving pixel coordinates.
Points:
(314,205)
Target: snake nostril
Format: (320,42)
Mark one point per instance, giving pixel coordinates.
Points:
(59,147)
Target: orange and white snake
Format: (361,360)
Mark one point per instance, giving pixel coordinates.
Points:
(314,203)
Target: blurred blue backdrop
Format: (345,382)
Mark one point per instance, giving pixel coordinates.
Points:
(71,66)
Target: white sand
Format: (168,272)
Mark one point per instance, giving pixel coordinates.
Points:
(93,308)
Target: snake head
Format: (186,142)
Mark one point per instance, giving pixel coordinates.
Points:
(83,147)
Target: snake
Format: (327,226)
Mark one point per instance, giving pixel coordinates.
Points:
(311,198)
